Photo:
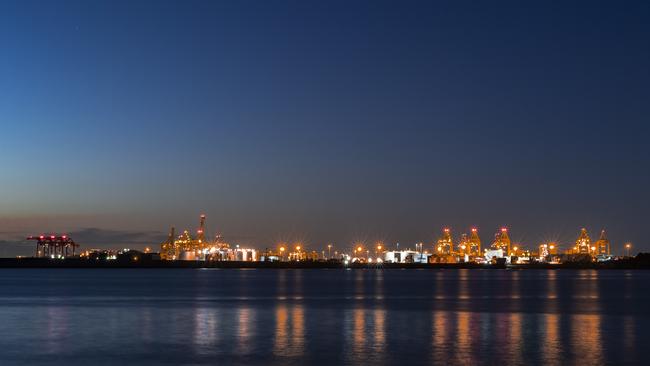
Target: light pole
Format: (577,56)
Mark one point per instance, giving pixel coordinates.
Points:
(282,253)
(627,248)
(329,251)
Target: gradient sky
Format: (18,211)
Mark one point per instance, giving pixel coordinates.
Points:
(324,121)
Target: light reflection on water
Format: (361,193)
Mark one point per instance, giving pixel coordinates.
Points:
(289,337)
(551,345)
(57,324)
(205,336)
(324,317)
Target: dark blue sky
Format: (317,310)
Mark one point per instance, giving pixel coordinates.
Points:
(324,121)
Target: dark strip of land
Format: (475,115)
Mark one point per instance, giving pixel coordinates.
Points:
(639,262)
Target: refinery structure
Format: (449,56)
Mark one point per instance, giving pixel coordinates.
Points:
(198,246)
(467,249)
(186,247)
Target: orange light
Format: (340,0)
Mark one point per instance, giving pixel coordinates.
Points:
(359,248)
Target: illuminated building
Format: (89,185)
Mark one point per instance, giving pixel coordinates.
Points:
(445,245)
(463,245)
(244,254)
(543,251)
(583,243)
(602,244)
(406,256)
(271,256)
(502,241)
(492,254)
(184,247)
(196,246)
(223,252)
(474,243)
(301,255)
(522,255)
(546,250)
(469,246)
(168,249)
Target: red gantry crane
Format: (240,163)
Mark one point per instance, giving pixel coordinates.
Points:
(55,246)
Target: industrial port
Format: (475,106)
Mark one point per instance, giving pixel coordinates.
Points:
(186,250)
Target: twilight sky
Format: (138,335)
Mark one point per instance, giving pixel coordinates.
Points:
(324,121)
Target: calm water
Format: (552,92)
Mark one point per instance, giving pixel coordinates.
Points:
(323,317)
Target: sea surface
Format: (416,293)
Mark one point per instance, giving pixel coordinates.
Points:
(323,317)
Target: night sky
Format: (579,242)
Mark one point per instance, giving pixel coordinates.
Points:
(324,121)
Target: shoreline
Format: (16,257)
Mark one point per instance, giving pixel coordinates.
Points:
(151,264)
